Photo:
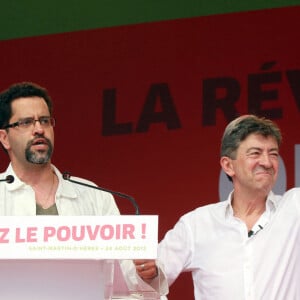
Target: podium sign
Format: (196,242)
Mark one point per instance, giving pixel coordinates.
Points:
(78,237)
(72,257)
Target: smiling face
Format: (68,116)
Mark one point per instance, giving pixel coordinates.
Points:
(255,165)
(33,144)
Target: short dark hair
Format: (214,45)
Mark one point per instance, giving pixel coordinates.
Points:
(20,90)
(241,127)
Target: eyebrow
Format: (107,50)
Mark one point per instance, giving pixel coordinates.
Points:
(32,117)
(260,149)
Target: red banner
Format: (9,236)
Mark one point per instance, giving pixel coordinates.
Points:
(141,109)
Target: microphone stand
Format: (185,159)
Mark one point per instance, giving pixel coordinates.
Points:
(67,176)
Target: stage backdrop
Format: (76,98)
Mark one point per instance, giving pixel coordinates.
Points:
(141,108)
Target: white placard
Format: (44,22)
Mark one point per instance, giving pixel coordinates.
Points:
(78,237)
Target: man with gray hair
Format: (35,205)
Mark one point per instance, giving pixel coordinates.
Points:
(247,247)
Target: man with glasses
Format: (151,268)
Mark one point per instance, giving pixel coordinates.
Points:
(27,135)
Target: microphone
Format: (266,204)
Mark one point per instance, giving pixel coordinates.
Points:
(67,176)
(8,179)
(251,232)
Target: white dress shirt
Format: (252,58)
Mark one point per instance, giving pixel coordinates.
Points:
(225,263)
(18,198)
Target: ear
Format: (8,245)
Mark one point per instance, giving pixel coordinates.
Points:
(226,164)
(4,139)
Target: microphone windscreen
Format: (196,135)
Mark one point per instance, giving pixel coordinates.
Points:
(10,179)
(66,175)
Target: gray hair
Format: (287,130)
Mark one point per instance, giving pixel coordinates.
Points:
(240,128)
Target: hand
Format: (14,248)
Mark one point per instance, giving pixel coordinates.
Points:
(146,269)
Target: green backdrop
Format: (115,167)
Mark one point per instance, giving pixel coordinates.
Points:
(34,17)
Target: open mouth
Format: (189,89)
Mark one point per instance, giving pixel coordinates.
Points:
(40,142)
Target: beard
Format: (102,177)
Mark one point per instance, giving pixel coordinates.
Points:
(39,157)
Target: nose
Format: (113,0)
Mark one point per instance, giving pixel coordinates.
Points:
(265,160)
(37,127)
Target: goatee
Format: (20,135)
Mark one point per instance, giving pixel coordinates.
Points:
(39,157)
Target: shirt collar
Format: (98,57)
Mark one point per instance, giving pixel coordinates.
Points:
(271,204)
(65,189)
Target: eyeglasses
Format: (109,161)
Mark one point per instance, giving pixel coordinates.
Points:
(27,122)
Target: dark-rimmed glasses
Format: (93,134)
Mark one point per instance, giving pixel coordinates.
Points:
(28,122)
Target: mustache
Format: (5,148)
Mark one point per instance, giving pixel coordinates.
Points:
(37,137)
